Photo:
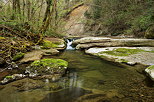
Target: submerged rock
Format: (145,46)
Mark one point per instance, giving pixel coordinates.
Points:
(47,68)
(66,95)
(150,72)
(27,84)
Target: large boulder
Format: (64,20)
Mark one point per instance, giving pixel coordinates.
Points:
(47,68)
(150,72)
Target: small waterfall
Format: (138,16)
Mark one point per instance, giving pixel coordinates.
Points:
(69,44)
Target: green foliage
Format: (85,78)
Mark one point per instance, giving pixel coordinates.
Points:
(150,33)
(53,34)
(122,17)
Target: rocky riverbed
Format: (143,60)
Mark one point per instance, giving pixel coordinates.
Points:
(130,50)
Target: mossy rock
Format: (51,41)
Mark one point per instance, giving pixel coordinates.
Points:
(123,52)
(150,33)
(9,77)
(48,66)
(48,44)
(151,67)
(18,56)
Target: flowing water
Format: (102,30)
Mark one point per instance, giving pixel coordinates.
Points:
(86,75)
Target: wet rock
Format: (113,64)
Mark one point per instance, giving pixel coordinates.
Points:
(11,78)
(66,95)
(28,84)
(32,56)
(47,68)
(150,72)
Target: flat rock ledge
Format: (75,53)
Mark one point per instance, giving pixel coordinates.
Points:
(145,56)
(88,42)
(38,54)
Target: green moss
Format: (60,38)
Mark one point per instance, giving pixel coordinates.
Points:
(151,67)
(50,62)
(1,38)
(48,66)
(18,56)
(48,44)
(123,52)
(9,77)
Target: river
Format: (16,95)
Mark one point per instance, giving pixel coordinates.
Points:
(88,77)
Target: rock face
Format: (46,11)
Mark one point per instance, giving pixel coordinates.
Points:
(75,25)
(89,42)
(129,55)
(150,72)
(47,68)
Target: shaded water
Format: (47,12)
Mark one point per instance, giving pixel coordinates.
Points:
(86,74)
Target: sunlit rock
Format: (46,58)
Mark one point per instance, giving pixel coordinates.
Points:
(150,71)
